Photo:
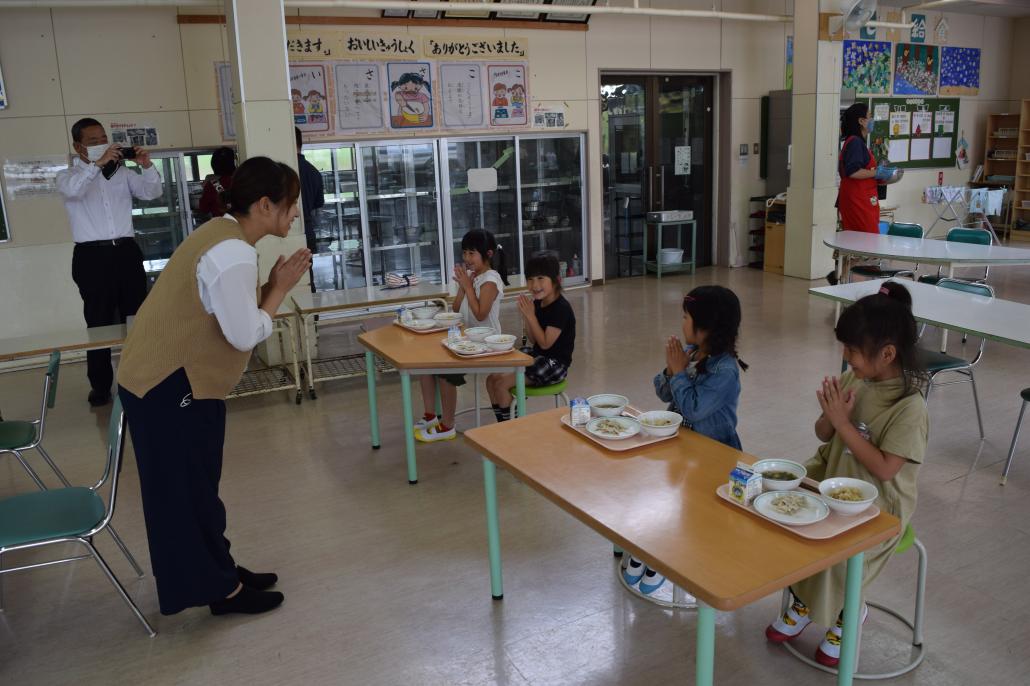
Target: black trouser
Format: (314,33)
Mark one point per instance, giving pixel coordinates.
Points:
(113,284)
(178,444)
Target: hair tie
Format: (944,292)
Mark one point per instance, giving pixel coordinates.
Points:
(884,291)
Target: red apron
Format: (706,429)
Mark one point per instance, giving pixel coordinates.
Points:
(856,200)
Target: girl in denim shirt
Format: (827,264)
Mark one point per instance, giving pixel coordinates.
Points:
(701,381)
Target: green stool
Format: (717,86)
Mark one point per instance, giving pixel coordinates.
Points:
(908,540)
(557,390)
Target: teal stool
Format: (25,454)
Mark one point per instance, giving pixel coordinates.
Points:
(557,390)
(908,540)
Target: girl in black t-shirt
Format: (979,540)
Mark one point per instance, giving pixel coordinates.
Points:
(550,325)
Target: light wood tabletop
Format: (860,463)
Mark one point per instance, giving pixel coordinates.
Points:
(371,296)
(407,350)
(660,504)
(64,341)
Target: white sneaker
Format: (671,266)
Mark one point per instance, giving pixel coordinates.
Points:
(426,423)
(828,652)
(789,625)
(433,433)
(651,581)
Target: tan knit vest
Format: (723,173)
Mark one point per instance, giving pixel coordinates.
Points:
(172,330)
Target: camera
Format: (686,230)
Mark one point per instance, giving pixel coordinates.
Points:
(128,153)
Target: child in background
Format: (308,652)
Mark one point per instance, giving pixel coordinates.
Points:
(874,426)
(549,323)
(701,382)
(480,289)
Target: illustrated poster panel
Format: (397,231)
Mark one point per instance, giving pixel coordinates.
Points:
(226,112)
(359,96)
(508,96)
(310,96)
(915,69)
(411,95)
(461,93)
(867,67)
(960,71)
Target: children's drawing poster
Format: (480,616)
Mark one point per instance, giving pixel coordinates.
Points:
(411,95)
(915,69)
(310,97)
(867,67)
(359,97)
(960,71)
(509,100)
(461,95)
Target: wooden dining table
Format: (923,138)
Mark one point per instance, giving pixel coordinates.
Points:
(659,503)
(413,354)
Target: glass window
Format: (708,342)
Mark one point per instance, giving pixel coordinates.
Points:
(401,193)
(552,200)
(339,260)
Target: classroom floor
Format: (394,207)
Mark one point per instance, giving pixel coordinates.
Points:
(387,583)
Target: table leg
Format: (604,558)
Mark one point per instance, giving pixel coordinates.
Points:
(693,247)
(493,530)
(944,332)
(475,381)
(704,662)
(658,249)
(852,612)
(373,406)
(520,392)
(294,358)
(409,431)
(307,352)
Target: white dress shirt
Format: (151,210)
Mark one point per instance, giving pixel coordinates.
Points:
(100,209)
(227,277)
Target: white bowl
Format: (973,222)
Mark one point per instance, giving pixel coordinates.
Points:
(848,507)
(421,324)
(479,333)
(613,404)
(795,468)
(668,429)
(425,312)
(448,318)
(500,341)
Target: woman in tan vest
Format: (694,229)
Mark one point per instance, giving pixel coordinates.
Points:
(187,349)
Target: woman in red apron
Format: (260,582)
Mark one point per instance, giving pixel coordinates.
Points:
(857,200)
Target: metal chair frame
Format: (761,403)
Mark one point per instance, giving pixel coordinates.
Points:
(967,369)
(1015,438)
(49,400)
(916,625)
(112,468)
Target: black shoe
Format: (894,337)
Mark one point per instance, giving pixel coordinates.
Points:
(247,602)
(99,398)
(831,278)
(257,581)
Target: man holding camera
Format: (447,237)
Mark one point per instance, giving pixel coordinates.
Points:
(107,264)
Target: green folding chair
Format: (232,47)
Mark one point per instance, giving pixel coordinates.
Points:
(938,363)
(68,515)
(876,271)
(963,235)
(18,436)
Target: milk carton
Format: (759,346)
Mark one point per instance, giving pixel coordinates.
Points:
(745,485)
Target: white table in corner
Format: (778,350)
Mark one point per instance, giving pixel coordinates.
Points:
(949,254)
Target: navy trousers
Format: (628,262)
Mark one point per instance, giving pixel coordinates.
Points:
(178,444)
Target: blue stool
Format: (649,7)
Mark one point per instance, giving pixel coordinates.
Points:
(557,390)
(908,540)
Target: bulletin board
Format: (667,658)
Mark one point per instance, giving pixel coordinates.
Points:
(915,133)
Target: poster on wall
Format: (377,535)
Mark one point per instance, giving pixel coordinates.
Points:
(411,95)
(915,69)
(867,67)
(226,113)
(788,75)
(359,97)
(960,71)
(33,176)
(461,95)
(549,116)
(134,134)
(310,98)
(507,93)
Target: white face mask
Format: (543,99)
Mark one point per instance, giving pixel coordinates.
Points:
(95,152)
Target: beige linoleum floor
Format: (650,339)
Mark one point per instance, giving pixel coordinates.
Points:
(387,583)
